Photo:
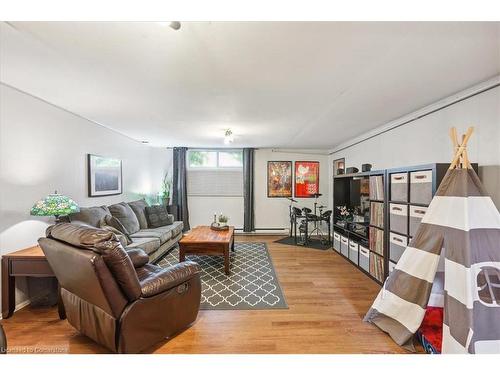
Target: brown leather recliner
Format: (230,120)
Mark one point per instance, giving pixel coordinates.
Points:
(117,298)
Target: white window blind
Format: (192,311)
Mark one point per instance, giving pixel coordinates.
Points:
(214,173)
(215,182)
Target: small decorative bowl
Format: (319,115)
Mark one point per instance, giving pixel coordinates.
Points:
(219,227)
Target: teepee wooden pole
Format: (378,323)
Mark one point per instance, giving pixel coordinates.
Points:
(462,148)
(453,137)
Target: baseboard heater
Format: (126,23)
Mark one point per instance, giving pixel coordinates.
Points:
(270,231)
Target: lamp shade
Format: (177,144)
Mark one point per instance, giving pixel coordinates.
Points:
(54,205)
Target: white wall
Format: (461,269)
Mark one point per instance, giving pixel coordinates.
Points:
(426,140)
(202,209)
(273,212)
(44,148)
(270,213)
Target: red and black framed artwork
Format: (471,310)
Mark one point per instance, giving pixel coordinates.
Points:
(306,179)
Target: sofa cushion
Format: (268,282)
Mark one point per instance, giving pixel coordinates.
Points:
(89,215)
(124,213)
(148,244)
(158,216)
(139,208)
(176,228)
(162,234)
(113,222)
(121,237)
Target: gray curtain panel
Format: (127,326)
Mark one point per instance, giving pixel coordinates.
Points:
(179,184)
(248,193)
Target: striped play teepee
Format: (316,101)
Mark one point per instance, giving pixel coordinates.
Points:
(462,225)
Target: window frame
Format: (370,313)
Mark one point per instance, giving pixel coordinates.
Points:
(217,167)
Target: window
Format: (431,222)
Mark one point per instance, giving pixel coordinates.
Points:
(230,159)
(202,159)
(215,173)
(215,159)
(488,286)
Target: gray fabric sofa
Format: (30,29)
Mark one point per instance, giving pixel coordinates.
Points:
(156,242)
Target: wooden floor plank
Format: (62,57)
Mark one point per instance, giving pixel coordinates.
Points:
(326,295)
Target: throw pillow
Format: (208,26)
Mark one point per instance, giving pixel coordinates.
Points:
(124,213)
(121,237)
(139,208)
(158,216)
(89,215)
(115,223)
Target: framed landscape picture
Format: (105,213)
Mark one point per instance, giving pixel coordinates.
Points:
(279,179)
(306,178)
(104,176)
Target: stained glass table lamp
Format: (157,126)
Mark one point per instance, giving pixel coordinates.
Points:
(55,205)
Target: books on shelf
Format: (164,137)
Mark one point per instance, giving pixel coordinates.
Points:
(377,188)
(377,214)
(376,240)
(377,267)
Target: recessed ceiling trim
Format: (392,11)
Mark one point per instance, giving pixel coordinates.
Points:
(409,118)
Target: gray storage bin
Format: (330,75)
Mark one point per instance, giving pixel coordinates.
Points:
(344,246)
(421,187)
(397,245)
(364,258)
(399,187)
(336,242)
(416,215)
(353,251)
(398,215)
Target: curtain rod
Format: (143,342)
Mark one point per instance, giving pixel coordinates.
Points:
(284,151)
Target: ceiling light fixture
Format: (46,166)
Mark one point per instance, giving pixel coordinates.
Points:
(228,136)
(176,25)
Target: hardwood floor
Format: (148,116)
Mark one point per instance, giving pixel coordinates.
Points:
(327,300)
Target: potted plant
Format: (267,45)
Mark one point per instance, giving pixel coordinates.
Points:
(345,215)
(223,219)
(165,189)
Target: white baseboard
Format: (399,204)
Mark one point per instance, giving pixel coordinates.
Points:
(266,232)
(23,304)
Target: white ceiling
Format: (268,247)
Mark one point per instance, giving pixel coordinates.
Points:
(275,84)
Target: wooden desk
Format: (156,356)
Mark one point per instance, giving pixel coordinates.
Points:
(29,262)
(204,241)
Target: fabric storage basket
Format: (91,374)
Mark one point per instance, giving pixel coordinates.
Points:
(416,215)
(421,187)
(399,187)
(344,246)
(364,258)
(397,245)
(398,214)
(336,241)
(353,252)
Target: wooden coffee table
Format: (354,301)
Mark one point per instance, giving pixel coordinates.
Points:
(204,241)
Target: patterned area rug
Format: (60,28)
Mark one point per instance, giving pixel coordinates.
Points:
(252,283)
